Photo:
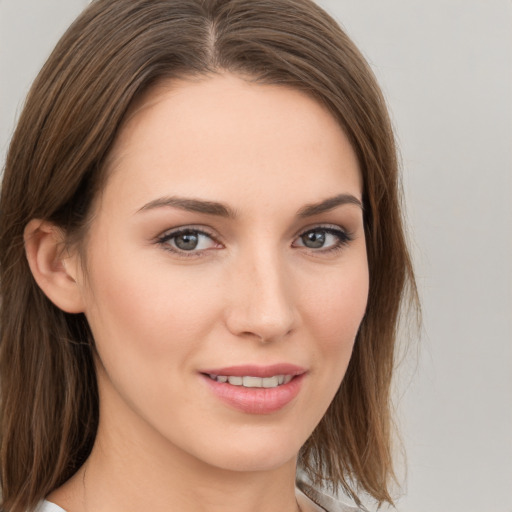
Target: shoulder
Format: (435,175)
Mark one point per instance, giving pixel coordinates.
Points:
(323,501)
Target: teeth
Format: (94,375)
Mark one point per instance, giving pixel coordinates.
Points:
(270,382)
(253,382)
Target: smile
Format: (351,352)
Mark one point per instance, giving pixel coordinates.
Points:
(255,389)
(248,381)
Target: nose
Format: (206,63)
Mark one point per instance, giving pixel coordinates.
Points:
(261,303)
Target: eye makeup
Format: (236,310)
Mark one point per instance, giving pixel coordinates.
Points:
(194,241)
(188,241)
(324,239)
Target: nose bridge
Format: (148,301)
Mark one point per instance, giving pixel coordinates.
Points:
(262,302)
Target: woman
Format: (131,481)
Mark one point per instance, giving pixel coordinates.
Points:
(202,265)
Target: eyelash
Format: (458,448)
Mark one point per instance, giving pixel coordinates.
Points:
(343,239)
(170,235)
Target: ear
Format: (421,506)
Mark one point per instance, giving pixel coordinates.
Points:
(53,268)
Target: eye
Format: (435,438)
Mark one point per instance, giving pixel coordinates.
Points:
(187,240)
(323,238)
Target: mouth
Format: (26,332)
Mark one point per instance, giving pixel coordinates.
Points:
(249,381)
(256,389)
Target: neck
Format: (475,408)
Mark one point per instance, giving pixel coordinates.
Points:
(133,469)
(184,485)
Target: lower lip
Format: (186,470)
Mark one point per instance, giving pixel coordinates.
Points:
(256,400)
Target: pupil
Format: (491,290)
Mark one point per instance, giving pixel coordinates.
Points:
(314,239)
(187,241)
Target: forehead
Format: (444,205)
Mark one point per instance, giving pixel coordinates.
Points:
(228,135)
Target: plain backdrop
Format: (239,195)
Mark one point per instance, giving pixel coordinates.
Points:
(446,70)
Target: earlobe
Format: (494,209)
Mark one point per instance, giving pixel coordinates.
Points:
(53,269)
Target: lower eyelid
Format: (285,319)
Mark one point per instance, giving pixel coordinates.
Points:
(343,237)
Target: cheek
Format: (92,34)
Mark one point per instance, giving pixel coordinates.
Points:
(145,309)
(148,333)
(335,312)
(148,323)
(336,308)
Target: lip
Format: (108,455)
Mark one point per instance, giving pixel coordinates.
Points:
(256,400)
(256,370)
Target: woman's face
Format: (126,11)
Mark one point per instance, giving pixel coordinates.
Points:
(227,250)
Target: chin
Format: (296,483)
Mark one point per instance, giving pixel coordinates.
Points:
(255,462)
(260,451)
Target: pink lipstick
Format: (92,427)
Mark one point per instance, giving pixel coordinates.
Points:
(255,389)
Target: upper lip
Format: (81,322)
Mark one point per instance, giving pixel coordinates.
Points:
(256,370)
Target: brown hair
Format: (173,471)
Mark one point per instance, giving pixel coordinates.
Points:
(111,54)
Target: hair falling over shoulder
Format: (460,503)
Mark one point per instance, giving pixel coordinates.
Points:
(111,55)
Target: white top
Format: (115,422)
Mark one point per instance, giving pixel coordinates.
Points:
(46,506)
(315,500)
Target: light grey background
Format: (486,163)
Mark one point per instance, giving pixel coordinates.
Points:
(446,69)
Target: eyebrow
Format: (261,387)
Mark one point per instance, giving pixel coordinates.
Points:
(191,205)
(222,210)
(329,204)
